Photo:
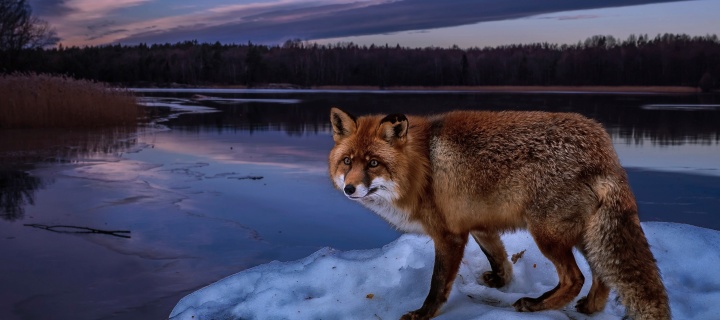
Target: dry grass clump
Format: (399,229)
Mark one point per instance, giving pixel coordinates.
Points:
(29,100)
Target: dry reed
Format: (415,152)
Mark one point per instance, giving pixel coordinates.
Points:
(29,100)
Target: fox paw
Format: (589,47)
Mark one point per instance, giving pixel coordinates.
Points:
(493,280)
(585,306)
(528,305)
(415,315)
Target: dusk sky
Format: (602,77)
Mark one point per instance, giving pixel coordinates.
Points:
(410,23)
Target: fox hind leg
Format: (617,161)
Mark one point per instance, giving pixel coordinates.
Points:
(597,297)
(570,278)
(501,269)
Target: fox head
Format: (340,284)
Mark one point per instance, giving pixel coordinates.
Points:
(367,155)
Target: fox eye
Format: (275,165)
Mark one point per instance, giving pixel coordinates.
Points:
(347,161)
(373,163)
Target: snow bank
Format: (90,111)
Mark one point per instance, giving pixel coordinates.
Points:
(385,283)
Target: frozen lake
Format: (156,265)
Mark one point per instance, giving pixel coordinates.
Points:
(233,179)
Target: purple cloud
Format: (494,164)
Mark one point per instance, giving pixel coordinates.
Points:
(276,21)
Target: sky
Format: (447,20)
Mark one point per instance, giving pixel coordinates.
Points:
(409,23)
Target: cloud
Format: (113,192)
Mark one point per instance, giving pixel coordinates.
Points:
(94,9)
(86,21)
(274,22)
(81,9)
(107,33)
(573,17)
(49,7)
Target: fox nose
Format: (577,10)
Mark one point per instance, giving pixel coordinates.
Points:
(349,189)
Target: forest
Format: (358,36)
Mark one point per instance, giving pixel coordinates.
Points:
(639,60)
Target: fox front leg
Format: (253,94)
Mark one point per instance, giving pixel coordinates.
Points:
(448,254)
(492,246)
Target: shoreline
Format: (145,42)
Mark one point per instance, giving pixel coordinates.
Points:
(598,89)
(527,89)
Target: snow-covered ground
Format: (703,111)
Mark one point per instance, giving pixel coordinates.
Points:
(387,282)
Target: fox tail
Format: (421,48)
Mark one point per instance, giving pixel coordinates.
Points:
(618,252)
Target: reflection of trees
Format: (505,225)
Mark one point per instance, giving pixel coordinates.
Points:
(60,145)
(25,148)
(17,189)
(621,114)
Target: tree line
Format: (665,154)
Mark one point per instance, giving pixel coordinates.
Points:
(665,60)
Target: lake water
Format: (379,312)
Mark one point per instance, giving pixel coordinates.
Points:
(228,182)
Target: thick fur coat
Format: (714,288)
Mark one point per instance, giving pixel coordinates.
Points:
(478,174)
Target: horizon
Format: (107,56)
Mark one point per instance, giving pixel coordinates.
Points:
(407,23)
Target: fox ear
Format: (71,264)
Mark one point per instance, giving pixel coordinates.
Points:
(343,124)
(393,128)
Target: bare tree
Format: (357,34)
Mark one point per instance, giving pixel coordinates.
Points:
(19,29)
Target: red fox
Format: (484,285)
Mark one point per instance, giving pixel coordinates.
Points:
(480,173)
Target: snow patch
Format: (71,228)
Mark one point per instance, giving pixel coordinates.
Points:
(388,282)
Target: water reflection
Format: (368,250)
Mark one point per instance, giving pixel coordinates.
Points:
(26,146)
(17,189)
(627,117)
(652,131)
(23,150)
